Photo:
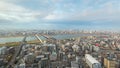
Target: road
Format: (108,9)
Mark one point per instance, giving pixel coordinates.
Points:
(17,52)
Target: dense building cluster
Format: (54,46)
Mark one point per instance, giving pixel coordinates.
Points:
(83,52)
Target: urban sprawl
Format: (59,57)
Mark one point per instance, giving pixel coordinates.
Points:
(93,49)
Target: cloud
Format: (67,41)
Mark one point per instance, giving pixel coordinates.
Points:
(82,10)
(50,17)
(90,10)
(16,13)
(54,16)
(58,13)
(107,12)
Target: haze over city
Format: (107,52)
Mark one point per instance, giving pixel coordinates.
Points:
(60,14)
(59,33)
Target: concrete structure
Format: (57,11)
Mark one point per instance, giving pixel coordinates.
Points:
(92,62)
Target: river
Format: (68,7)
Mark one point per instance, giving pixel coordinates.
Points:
(30,38)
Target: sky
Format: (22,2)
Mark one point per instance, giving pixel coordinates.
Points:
(60,14)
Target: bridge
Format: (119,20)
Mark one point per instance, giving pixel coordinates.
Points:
(19,48)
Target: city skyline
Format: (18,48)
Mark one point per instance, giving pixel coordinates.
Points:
(60,14)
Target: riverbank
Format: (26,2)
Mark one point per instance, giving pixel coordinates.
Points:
(4,40)
(9,44)
(15,39)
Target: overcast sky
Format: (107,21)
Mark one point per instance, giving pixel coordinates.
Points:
(60,14)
